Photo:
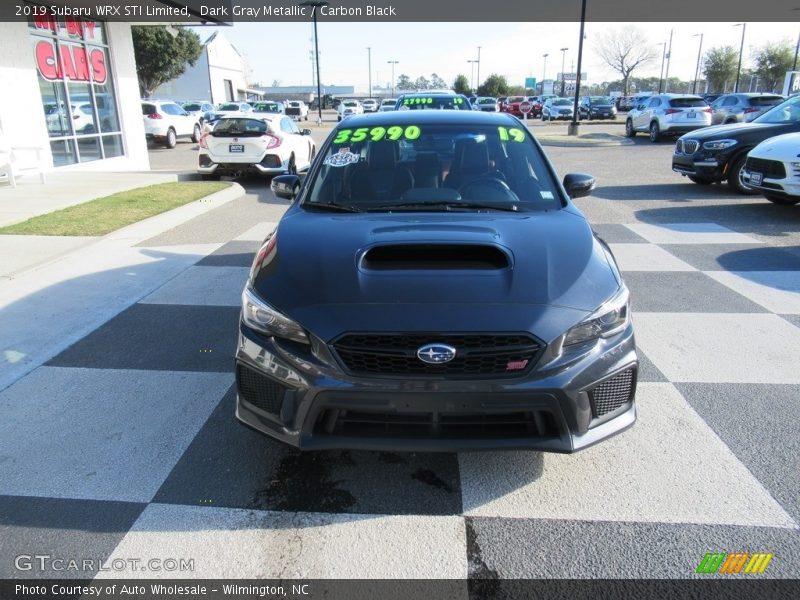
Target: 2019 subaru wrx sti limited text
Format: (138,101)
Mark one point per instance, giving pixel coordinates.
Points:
(433,287)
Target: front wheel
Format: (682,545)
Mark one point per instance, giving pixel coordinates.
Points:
(655,132)
(735,178)
(782,200)
(196,134)
(629,131)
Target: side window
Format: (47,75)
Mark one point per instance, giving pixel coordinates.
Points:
(172,109)
(732,101)
(288,126)
(654,102)
(717,103)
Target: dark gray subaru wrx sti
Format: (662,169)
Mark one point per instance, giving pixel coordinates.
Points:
(432,287)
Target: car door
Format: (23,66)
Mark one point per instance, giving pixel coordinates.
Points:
(181,121)
(643,119)
(295,142)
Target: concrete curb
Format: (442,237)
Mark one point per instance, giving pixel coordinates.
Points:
(564,141)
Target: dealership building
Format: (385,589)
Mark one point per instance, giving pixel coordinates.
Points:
(69,88)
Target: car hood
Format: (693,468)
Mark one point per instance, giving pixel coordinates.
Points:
(782,147)
(321,272)
(734,130)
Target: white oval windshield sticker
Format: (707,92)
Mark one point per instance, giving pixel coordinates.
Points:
(342,158)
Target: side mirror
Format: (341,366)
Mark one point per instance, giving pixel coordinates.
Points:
(285,186)
(306,131)
(579,185)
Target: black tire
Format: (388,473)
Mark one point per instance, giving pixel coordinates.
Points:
(171,140)
(655,132)
(735,177)
(196,133)
(338,118)
(782,200)
(629,130)
(700,180)
(731,121)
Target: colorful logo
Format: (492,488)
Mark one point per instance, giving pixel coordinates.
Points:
(736,562)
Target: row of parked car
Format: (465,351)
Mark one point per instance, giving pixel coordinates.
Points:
(754,148)
(166,121)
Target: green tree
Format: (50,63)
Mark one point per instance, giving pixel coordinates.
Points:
(719,67)
(162,56)
(494,86)
(461,85)
(624,51)
(772,61)
(437,83)
(422,83)
(404,83)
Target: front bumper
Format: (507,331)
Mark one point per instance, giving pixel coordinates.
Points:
(699,165)
(787,187)
(290,395)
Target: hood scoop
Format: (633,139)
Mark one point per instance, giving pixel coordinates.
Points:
(435,257)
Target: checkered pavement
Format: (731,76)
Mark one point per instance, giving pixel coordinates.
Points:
(125,445)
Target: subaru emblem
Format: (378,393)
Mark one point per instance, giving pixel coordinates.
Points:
(436,354)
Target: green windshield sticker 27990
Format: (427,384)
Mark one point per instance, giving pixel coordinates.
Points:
(376,134)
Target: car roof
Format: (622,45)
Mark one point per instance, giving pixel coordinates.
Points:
(257,116)
(429,117)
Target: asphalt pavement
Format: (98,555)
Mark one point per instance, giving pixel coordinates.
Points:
(124,444)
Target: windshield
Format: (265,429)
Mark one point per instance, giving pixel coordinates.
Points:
(487,101)
(192,106)
(600,100)
(434,103)
(350,104)
(240,128)
(786,112)
(433,167)
(266,107)
(389,102)
(562,102)
(230,107)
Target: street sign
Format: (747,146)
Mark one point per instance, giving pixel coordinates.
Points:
(530,82)
(525,107)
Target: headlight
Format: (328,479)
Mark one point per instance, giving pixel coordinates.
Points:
(612,317)
(260,316)
(719,144)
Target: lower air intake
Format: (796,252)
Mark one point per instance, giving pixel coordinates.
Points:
(613,393)
(260,391)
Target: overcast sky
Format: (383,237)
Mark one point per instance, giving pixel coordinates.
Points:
(281,51)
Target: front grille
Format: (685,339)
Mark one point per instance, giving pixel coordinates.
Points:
(262,392)
(484,355)
(613,393)
(564,111)
(687,146)
(773,169)
(291,111)
(437,425)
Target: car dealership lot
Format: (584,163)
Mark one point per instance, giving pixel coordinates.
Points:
(125,444)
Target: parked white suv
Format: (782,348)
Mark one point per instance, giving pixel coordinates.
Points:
(773,169)
(165,122)
(668,114)
(348,108)
(297,109)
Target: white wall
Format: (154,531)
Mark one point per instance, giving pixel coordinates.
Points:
(192,85)
(22,115)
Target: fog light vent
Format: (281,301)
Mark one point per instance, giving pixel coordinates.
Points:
(613,393)
(260,391)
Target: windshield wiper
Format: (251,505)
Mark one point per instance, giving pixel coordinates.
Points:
(332,207)
(446,205)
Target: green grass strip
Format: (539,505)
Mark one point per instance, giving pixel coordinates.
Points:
(107,214)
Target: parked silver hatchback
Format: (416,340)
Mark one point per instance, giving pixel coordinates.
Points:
(742,108)
(668,115)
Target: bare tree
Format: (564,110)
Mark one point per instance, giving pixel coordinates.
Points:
(624,50)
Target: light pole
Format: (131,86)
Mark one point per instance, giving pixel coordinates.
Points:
(472,74)
(796,50)
(478,77)
(574,127)
(741,50)
(697,68)
(661,73)
(393,63)
(669,59)
(369,68)
(544,70)
(563,60)
(315,4)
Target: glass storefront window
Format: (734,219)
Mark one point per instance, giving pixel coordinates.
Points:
(77,88)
